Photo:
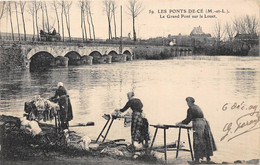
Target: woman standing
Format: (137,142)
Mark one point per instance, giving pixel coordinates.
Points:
(64,104)
(139,125)
(203,141)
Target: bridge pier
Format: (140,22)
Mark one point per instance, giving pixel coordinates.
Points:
(109,59)
(88,60)
(102,60)
(129,57)
(185,53)
(173,53)
(62,61)
(178,53)
(123,59)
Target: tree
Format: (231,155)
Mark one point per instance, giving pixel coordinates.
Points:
(87,15)
(22,6)
(114,15)
(55,6)
(2,11)
(108,10)
(218,31)
(37,7)
(17,20)
(251,24)
(31,11)
(246,24)
(47,17)
(62,21)
(42,8)
(135,8)
(237,25)
(230,31)
(246,30)
(84,20)
(91,20)
(66,8)
(10,14)
(82,8)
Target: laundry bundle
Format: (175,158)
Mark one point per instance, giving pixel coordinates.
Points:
(39,108)
(30,126)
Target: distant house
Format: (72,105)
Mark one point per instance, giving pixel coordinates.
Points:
(179,40)
(247,40)
(200,38)
(247,37)
(197,31)
(196,38)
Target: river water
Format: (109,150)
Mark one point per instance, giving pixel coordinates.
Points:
(162,86)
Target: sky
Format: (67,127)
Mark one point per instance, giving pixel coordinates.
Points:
(152,21)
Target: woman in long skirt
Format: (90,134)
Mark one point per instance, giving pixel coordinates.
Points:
(203,141)
(139,125)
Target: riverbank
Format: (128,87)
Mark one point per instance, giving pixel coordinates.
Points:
(20,147)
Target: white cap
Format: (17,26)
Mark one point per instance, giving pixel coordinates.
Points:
(60,84)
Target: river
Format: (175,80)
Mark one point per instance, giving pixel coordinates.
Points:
(218,83)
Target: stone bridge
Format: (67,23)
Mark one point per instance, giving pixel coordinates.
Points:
(74,54)
(45,54)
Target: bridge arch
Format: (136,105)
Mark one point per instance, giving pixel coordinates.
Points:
(32,52)
(115,56)
(96,56)
(112,53)
(74,58)
(41,60)
(128,55)
(127,52)
(125,49)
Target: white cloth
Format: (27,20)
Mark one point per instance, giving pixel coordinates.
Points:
(32,126)
(35,128)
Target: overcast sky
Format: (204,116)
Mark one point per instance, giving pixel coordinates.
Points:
(147,24)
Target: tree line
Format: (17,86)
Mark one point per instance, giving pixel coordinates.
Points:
(236,37)
(247,24)
(40,10)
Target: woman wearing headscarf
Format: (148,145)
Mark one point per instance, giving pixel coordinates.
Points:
(203,141)
(139,125)
(64,104)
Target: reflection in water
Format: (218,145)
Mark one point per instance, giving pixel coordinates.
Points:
(161,85)
(246,81)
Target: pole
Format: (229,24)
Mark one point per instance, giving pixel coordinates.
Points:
(121,46)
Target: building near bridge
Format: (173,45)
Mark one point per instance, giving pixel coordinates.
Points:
(196,38)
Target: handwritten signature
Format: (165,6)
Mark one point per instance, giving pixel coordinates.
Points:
(244,124)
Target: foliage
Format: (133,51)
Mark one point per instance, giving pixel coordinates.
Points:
(153,53)
(238,48)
